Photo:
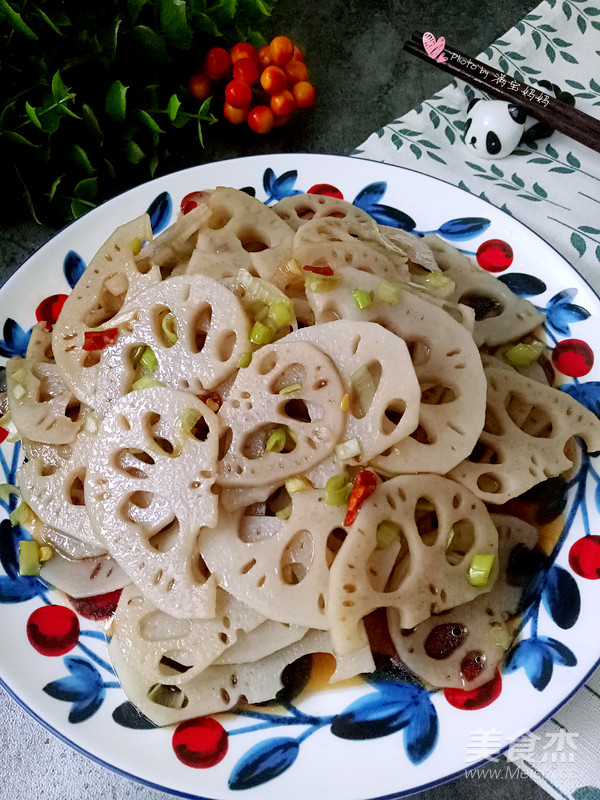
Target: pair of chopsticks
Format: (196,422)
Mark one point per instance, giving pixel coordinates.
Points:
(558,115)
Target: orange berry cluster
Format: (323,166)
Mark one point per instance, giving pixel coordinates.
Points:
(264,87)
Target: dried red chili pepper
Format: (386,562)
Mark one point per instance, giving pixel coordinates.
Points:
(319,270)
(3,434)
(363,487)
(98,340)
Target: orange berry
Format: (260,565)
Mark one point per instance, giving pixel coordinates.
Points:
(235,115)
(245,69)
(273,80)
(200,86)
(282,50)
(295,71)
(217,64)
(238,94)
(261,119)
(264,56)
(243,50)
(283,103)
(304,93)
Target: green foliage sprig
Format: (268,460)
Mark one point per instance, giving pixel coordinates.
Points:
(94,98)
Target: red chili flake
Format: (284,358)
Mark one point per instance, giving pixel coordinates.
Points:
(362,488)
(3,434)
(99,340)
(213,400)
(319,270)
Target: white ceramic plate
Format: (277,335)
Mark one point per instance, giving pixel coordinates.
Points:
(397,738)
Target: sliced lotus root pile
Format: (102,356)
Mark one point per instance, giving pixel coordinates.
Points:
(375,365)
(311,417)
(148,492)
(111,279)
(42,406)
(500,315)
(527,428)
(207,334)
(278,567)
(240,230)
(221,687)
(440,527)
(463,647)
(51,481)
(299,209)
(446,362)
(84,577)
(173,651)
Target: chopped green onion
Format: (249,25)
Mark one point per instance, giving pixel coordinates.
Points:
(361,299)
(388,532)
(387,292)
(479,569)
(284,513)
(337,490)
(280,313)
(6,489)
(22,515)
(46,553)
(293,387)
(276,441)
(29,557)
(136,246)
(169,327)
(261,334)
(523,355)
(189,420)
(136,354)
(19,391)
(345,402)
(148,359)
(347,450)
(320,283)
(19,375)
(436,282)
(365,388)
(297,484)
(259,289)
(245,360)
(145,382)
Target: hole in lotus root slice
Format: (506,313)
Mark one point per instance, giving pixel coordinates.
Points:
(279,567)
(50,483)
(41,405)
(132,460)
(93,301)
(526,445)
(459,541)
(206,334)
(453,360)
(253,418)
(500,315)
(488,622)
(118,501)
(405,500)
(175,651)
(379,379)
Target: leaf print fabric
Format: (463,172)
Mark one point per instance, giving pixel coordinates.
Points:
(553,184)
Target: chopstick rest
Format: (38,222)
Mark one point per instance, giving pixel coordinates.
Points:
(494,128)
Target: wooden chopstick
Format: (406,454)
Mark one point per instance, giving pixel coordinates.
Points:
(558,115)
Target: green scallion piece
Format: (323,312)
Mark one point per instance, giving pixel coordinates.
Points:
(387,292)
(284,513)
(524,354)
(280,313)
(169,328)
(148,359)
(21,515)
(245,360)
(6,489)
(337,490)
(276,441)
(320,283)
(479,569)
(388,532)
(361,299)
(293,387)
(436,281)
(145,382)
(29,557)
(261,334)
(136,246)
(189,420)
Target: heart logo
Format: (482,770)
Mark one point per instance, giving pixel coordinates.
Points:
(434,47)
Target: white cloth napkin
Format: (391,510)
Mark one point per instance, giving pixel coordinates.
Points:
(553,186)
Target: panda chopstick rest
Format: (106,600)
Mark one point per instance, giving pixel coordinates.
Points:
(494,128)
(552,113)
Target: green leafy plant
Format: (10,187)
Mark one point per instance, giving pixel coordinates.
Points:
(94,98)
